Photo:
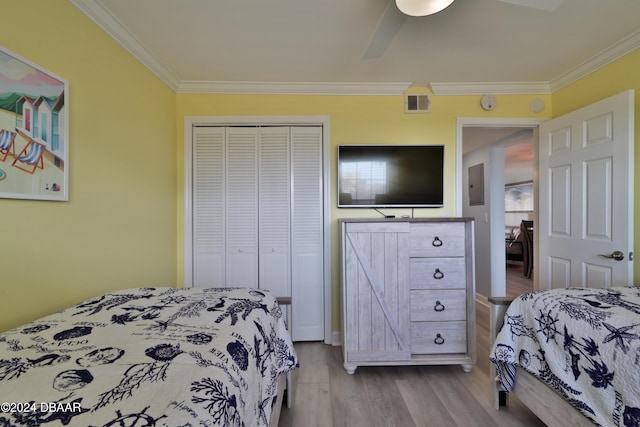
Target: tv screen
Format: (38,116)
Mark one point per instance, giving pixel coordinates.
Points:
(390,176)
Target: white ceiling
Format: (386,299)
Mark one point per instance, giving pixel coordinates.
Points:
(196,44)
(476,137)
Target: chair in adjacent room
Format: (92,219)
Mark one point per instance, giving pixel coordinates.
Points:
(30,158)
(7,147)
(527,230)
(513,241)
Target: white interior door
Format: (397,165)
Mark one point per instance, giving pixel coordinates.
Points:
(586,196)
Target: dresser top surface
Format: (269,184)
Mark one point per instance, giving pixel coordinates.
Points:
(433,219)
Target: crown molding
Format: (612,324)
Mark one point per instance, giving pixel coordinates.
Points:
(292,88)
(498,88)
(605,57)
(98,14)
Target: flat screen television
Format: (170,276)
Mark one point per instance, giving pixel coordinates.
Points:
(378,176)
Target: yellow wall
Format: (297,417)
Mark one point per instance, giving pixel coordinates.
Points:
(617,77)
(356,120)
(118,228)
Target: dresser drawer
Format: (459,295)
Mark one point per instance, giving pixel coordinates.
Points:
(438,337)
(439,305)
(440,239)
(437,273)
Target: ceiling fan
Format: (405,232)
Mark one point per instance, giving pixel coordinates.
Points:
(397,11)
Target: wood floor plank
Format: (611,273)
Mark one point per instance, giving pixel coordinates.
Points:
(514,415)
(517,282)
(388,409)
(314,364)
(313,406)
(403,396)
(349,404)
(423,403)
(460,402)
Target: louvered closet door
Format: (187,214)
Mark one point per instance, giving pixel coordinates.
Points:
(208,207)
(241,207)
(274,219)
(307,234)
(258,216)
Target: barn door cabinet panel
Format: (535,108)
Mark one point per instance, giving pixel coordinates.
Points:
(408,292)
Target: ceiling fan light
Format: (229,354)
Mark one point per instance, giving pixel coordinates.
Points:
(422,7)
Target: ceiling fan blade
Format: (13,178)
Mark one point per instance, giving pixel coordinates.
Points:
(546,5)
(388,26)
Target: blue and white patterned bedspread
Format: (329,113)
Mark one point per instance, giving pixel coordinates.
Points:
(148,357)
(584,343)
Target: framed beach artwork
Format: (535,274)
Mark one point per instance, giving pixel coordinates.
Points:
(518,197)
(34,123)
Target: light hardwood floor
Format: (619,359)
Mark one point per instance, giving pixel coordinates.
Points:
(404,396)
(517,282)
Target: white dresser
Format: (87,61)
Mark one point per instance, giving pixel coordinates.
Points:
(408,292)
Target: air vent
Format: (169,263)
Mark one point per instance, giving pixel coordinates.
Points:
(417,103)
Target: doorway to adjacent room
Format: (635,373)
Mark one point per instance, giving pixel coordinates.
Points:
(504,259)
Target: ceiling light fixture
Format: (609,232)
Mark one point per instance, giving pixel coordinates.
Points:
(422,7)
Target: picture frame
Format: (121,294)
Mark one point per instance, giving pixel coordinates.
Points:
(34,131)
(518,197)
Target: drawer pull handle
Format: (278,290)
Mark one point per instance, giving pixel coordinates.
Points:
(438,340)
(438,274)
(439,306)
(437,242)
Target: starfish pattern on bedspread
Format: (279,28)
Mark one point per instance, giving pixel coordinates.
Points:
(584,343)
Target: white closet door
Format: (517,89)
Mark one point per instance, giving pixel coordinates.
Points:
(306,234)
(274,219)
(208,207)
(241,207)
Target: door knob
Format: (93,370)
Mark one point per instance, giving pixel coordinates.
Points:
(617,255)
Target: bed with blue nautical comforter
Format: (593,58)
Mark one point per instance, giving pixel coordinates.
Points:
(148,357)
(583,343)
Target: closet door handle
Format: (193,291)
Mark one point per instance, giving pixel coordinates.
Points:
(438,340)
(439,306)
(438,275)
(436,242)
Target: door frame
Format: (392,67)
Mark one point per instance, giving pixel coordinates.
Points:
(324,122)
(462,122)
